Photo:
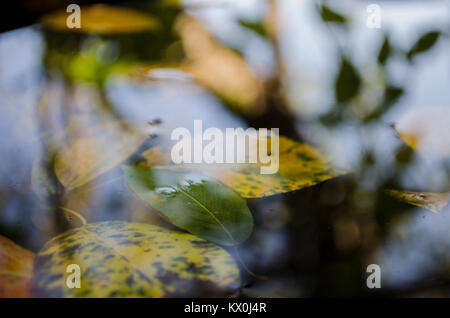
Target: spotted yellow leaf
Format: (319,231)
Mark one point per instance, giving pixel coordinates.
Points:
(434,202)
(121,259)
(300,166)
(103,19)
(16,268)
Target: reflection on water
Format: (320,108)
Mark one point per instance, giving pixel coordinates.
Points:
(74,107)
(416,251)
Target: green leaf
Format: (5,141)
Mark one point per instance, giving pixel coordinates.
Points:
(348,82)
(193,202)
(423,44)
(121,259)
(329,15)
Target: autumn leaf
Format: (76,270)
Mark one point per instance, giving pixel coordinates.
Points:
(103,19)
(121,259)
(16,268)
(300,166)
(193,202)
(434,202)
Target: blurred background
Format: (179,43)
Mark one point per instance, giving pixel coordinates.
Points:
(317,70)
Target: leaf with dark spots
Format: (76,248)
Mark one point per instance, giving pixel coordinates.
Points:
(300,166)
(135,270)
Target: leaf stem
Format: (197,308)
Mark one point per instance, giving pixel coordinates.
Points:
(78,215)
(241,261)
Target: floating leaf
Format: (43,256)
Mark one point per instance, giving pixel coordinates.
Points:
(121,259)
(103,19)
(423,44)
(426,129)
(16,268)
(300,166)
(434,202)
(193,202)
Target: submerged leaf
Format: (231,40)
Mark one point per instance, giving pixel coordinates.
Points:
(16,268)
(434,202)
(121,259)
(103,19)
(93,153)
(193,202)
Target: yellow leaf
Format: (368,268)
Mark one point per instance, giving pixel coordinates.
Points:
(121,259)
(16,268)
(434,202)
(103,19)
(300,166)
(427,129)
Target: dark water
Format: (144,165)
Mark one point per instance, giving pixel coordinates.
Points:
(316,241)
